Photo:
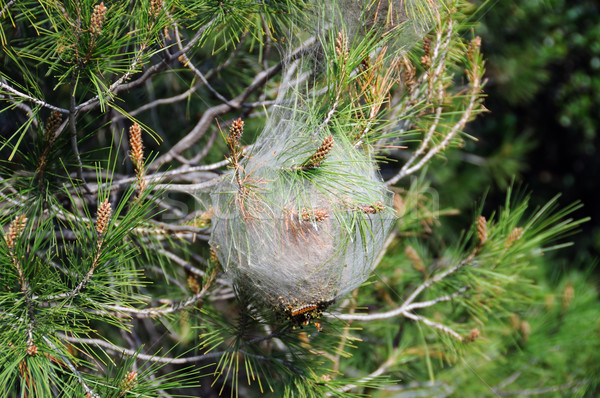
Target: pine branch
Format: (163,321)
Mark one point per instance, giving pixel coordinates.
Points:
(403,309)
(7,7)
(89,391)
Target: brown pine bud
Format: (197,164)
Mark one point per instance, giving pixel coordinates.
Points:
(136,145)
(482,230)
(399,205)
(235,133)
(567,296)
(103,217)
(408,74)
(52,125)
(427,46)
(184,60)
(214,259)
(15,230)
(414,258)
(317,215)
(155,8)
(129,381)
(374,209)
(97,19)
(473,335)
(323,150)
(32,349)
(514,236)
(193,284)
(426,58)
(474,46)
(341,46)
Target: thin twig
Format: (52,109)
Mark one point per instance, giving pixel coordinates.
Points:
(433,324)
(7,7)
(211,113)
(404,307)
(164,359)
(473,95)
(73,369)
(32,99)
(430,303)
(189,64)
(161,311)
(72,124)
(118,184)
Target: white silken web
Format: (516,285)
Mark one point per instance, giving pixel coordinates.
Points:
(292,236)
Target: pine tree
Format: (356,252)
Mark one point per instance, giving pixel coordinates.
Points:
(193,192)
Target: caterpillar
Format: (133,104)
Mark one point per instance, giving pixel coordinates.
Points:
(303,315)
(294,312)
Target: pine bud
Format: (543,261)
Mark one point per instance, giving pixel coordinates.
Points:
(323,150)
(136,145)
(473,335)
(414,258)
(427,46)
(482,230)
(474,46)
(137,155)
(129,381)
(235,133)
(97,19)
(52,125)
(213,256)
(15,230)
(399,205)
(341,46)
(155,8)
(514,236)
(193,284)
(103,216)
(317,215)
(32,349)
(567,296)
(374,209)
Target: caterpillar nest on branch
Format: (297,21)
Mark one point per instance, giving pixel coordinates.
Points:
(299,221)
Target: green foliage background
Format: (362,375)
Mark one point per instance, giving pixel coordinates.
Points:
(541,131)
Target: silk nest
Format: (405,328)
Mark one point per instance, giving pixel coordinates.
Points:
(295,236)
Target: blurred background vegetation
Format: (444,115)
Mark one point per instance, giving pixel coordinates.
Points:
(541,133)
(543,70)
(543,97)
